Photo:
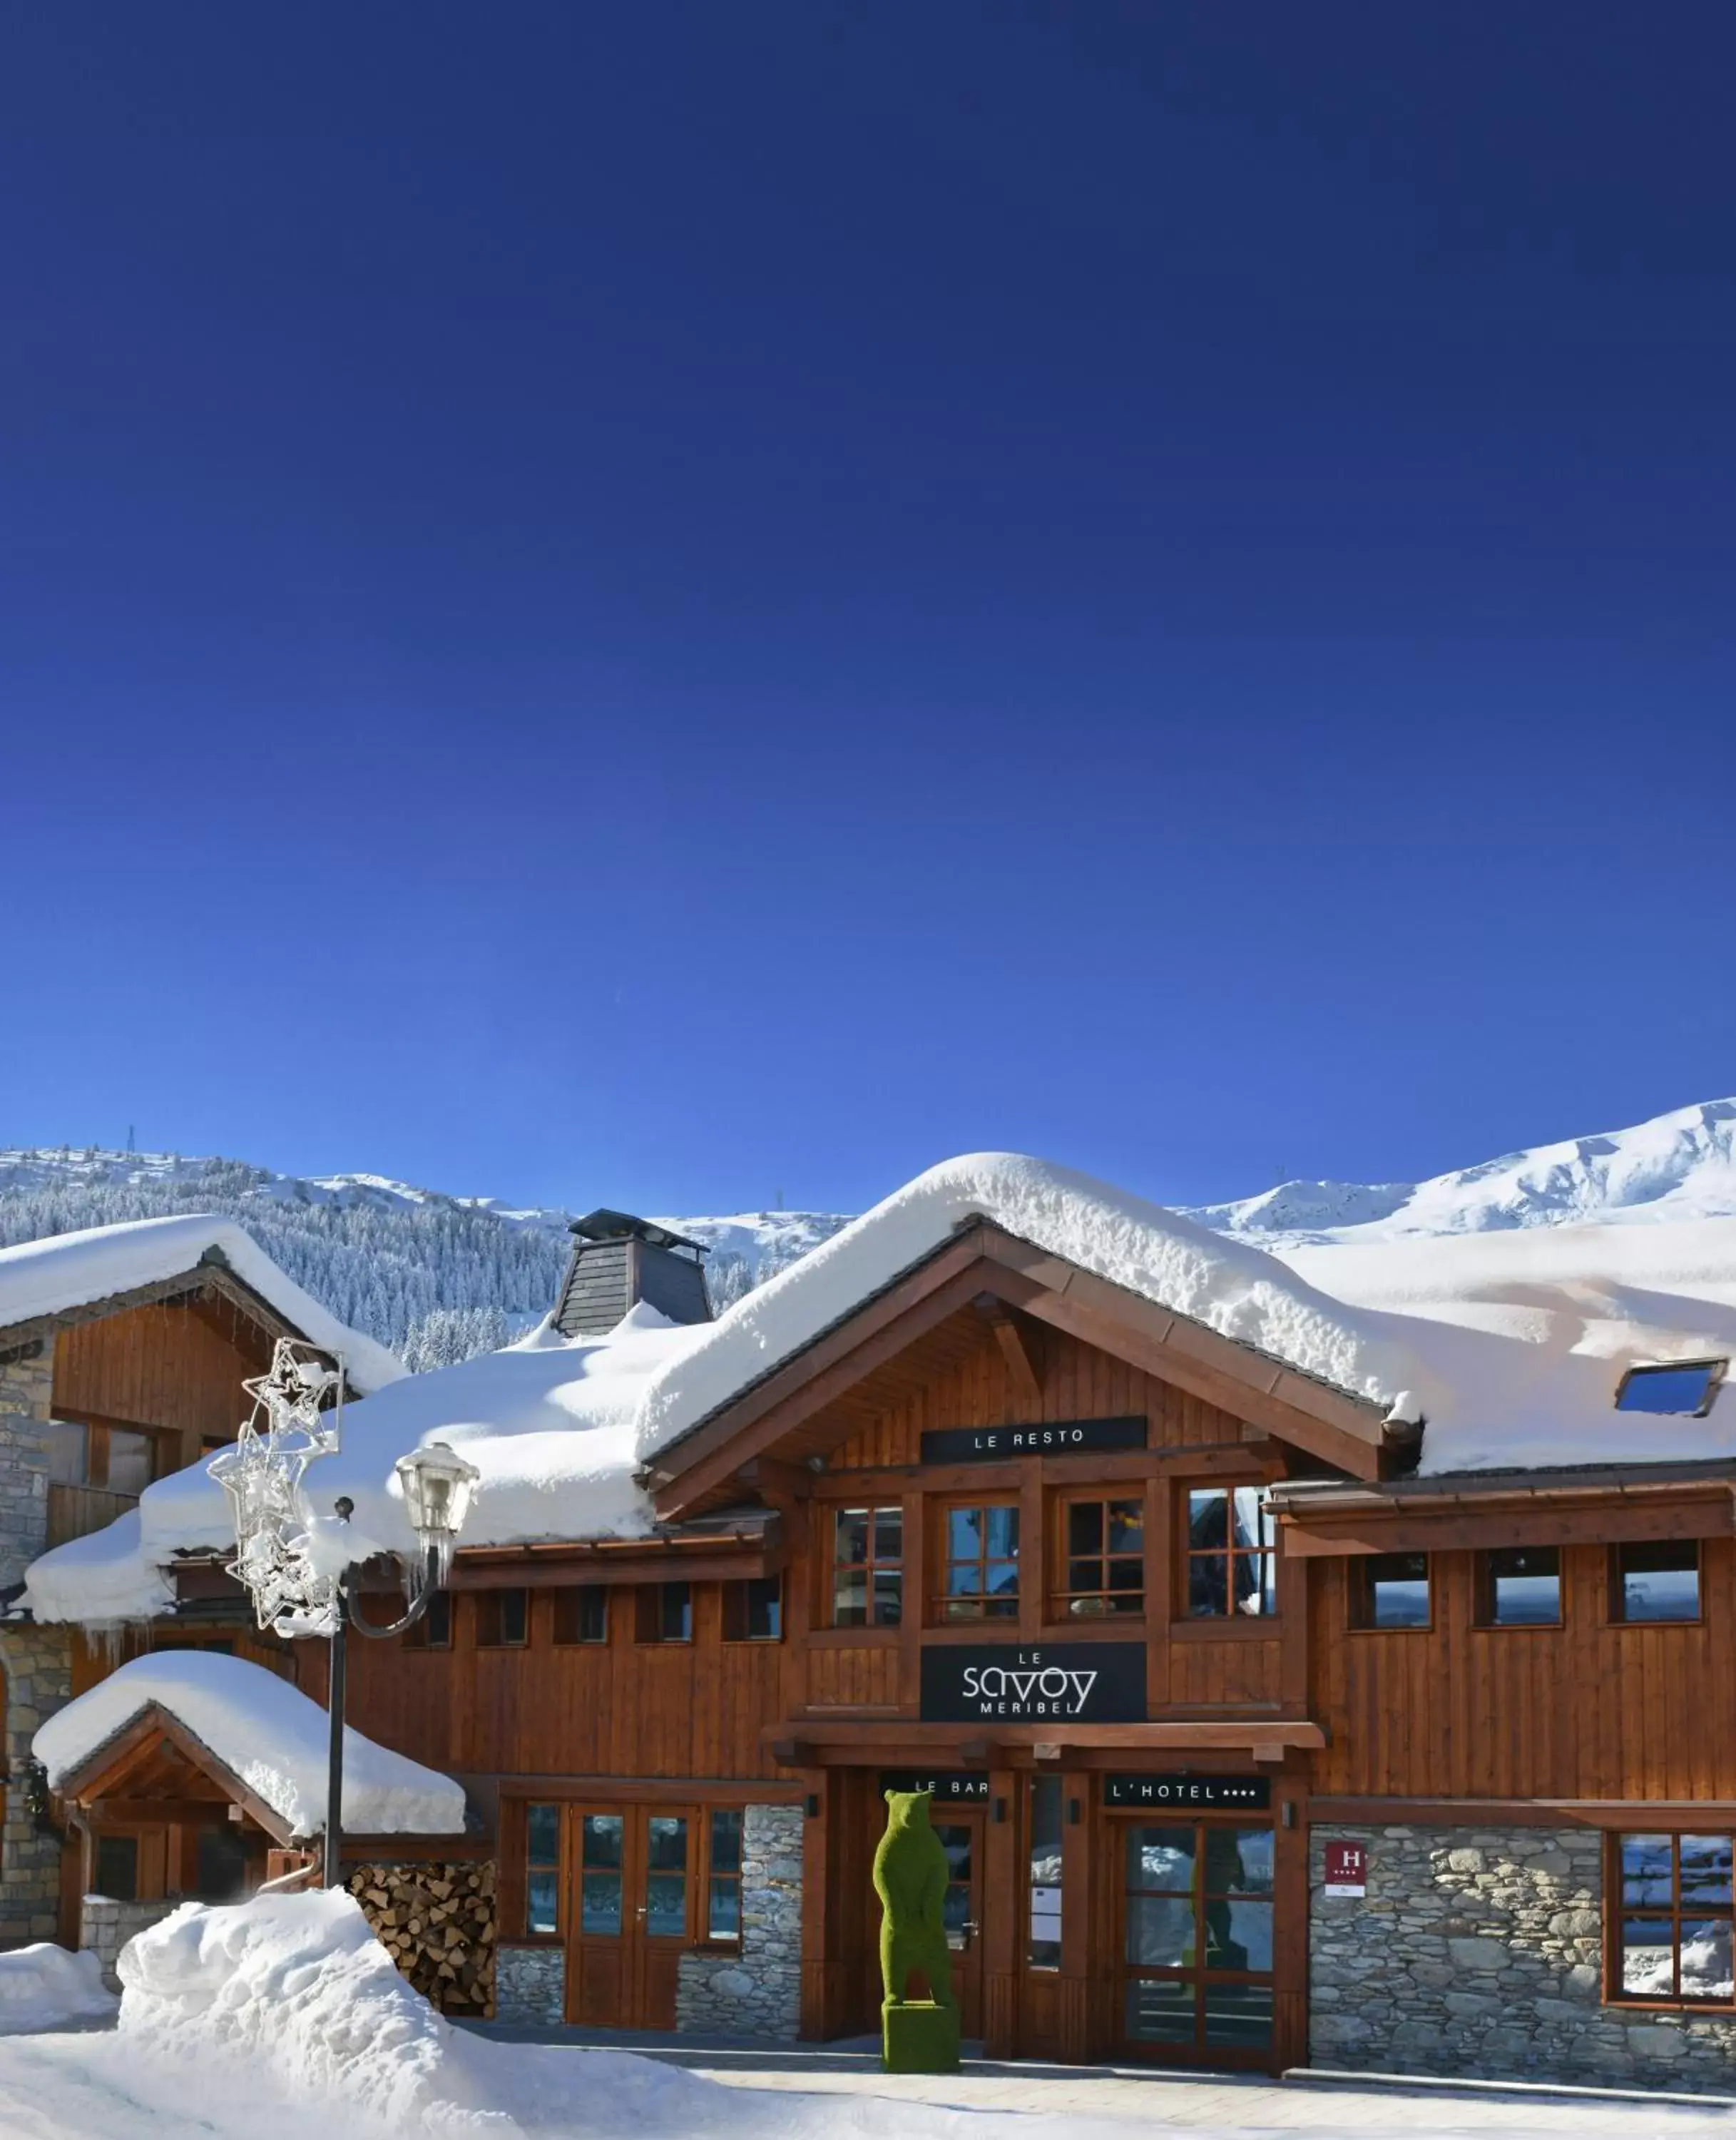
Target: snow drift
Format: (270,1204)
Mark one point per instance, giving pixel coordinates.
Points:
(46,1987)
(265,1732)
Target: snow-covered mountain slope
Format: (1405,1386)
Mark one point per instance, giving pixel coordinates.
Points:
(439,1278)
(1676,1166)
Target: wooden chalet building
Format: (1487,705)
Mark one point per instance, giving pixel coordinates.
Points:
(1272,1718)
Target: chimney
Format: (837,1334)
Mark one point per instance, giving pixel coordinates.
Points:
(618,1261)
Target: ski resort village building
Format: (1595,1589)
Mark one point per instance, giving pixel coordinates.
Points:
(1324,1660)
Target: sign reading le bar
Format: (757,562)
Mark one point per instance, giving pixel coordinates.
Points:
(1041,1683)
(1229,1791)
(989,1444)
(947,1786)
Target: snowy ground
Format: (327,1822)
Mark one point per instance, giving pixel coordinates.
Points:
(284,2020)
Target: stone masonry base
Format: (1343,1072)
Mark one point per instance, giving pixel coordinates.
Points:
(107,1925)
(1479,1952)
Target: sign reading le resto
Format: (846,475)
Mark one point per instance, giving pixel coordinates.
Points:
(987,1445)
(1043,1683)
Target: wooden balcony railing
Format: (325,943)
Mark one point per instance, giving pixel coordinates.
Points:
(75,1511)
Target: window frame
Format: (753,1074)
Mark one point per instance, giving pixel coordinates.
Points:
(874,1565)
(1060,1598)
(1717,1368)
(420,1634)
(1186,1553)
(1616,1603)
(487,1605)
(737,1624)
(720,1943)
(1362,1617)
(942,1508)
(569,1641)
(528,1866)
(648,1628)
(1483,1579)
(1616,1910)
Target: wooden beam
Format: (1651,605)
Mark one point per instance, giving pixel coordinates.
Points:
(607,1570)
(1018,1352)
(865,1734)
(1692,1813)
(151,1812)
(1394,1528)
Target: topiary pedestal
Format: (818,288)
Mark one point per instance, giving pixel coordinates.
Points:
(918,2036)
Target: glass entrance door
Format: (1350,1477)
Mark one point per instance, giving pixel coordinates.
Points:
(961,1840)
(630,1912)
(1196,1941)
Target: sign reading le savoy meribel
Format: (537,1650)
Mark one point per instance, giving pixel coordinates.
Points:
(1043,1683)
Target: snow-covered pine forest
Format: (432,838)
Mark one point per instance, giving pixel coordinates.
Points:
(438,1279)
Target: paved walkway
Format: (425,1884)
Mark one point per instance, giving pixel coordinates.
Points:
(1186,2101)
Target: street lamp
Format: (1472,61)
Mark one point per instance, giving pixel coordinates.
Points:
(295,1566)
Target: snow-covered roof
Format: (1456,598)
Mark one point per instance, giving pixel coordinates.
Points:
(1510,1345)
(267,1733)
(47,1278)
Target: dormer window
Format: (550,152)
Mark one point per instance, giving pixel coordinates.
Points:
(1682,1388)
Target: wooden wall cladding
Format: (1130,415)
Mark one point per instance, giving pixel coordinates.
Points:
(619,1708)
(1590,1710)
(174,1366)
(971,1385)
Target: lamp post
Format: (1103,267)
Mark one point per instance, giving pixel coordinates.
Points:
(297,1567)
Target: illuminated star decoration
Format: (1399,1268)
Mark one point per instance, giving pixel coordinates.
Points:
(262,1476)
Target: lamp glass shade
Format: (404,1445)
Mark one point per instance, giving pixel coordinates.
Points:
(437,1485)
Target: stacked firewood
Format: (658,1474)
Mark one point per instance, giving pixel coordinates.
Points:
(438,1924)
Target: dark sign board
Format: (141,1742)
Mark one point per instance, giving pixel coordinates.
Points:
(1056,1683)
(1183,1792)
(946,1786)
(991,1445)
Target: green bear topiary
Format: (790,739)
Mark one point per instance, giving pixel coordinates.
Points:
(911,1872)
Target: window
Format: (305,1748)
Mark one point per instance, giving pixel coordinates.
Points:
(723,1875)
(1197,1955)
(581,1613)
(1673,1931)
(117,1867)
(753,1610)
(600,1836)
(69,1453)
(1659,1581)
(1229,1552)
(979,1577)
(502,1619)
(1103,1559)
(1042,1946)
(433,1630)
(1392,1590)
(1520,1587)
(132,1459)
(867,1569)
(541,1870)
(1683,1388)
(666,1612)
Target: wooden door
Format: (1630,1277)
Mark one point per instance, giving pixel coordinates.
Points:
(961,1837)
(630,1913)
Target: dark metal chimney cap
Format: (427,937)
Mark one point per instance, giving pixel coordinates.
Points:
(604,1224)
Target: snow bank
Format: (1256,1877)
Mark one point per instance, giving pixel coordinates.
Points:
(295,1991)
(46,1987)
(71,1270)
(1237,1290)
(267,1733)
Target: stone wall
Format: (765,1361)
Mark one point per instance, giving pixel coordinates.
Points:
(756,1992)
(529,1985)
(106,1925)
(1479,1951)
(35,1663)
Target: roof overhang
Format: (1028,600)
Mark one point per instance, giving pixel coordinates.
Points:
(1350,1432)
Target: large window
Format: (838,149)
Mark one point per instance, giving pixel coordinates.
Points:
(1102,1558)
(581,1613)
(502,1619)
(979,1569)
(1672,1914)
(541,1870)
(1229,1552)
(666,1612)
(1520,1587)
(867,1567)
(1042,1940)
(723,1875)
(1390,1590)
(1655,1582)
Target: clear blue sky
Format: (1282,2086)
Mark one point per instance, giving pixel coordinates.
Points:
(652,603)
